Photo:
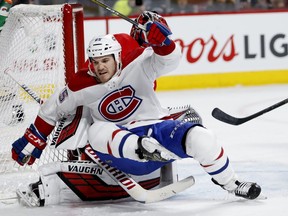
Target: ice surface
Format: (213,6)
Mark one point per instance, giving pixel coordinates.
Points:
(257,149)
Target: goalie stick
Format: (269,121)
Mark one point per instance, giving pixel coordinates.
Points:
(24,87)
(135,190)
(224,117)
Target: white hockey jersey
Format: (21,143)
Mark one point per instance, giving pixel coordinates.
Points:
(130,96)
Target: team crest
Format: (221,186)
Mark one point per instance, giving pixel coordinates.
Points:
(119,104)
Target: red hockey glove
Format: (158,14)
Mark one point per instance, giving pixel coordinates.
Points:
(157,34)
(29,147)
(147,16)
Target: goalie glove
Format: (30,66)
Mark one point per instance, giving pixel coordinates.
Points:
(185,114)
(29,147)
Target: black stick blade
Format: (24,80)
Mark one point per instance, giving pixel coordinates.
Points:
(224,117)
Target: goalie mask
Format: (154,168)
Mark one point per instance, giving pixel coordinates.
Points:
(103,46)
(146,16)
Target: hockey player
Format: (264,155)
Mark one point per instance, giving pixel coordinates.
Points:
(130,130)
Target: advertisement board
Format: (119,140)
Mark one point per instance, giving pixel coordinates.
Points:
(220,49)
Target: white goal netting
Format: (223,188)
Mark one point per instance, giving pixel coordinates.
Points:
(34,52)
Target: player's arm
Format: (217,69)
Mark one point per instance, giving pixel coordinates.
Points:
(29,147)
(167,54)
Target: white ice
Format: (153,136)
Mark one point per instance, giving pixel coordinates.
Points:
(258,150)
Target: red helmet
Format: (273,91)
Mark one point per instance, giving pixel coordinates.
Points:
(146,16)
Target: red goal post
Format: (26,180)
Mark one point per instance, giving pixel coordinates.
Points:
(42,46)
(73,31)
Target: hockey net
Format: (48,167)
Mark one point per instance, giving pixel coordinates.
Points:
(41,47)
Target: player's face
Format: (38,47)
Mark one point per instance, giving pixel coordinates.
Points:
(105,67)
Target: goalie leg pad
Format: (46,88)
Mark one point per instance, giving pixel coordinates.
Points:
(77,181)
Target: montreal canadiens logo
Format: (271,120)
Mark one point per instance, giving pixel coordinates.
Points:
(119,104)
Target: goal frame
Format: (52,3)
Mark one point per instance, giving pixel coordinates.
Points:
(70,36)
(74,60)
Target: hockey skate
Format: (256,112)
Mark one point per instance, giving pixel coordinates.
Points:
(150,149)
(33,197)
(247,190)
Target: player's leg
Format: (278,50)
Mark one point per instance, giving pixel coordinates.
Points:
(187,139)
(201,145)
(119,142)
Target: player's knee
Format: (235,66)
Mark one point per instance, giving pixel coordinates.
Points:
(201,144)
(99,134)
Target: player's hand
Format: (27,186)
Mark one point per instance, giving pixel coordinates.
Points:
(29,147)
(157,34)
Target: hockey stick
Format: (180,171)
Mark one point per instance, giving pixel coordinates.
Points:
(101,4)
(135,190)
(24,87)
(8,200)
(224,117)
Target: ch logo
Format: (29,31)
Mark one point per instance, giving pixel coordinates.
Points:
(119,104)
